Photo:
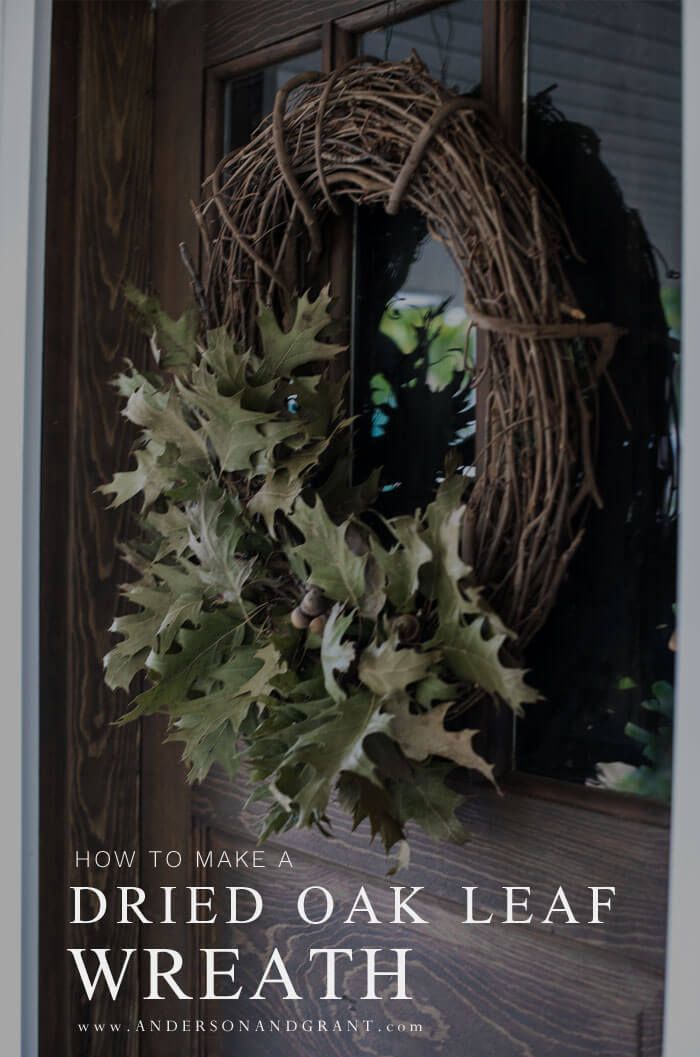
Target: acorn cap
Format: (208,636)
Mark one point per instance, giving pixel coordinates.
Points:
(356,540)
(406,627)
(313,603)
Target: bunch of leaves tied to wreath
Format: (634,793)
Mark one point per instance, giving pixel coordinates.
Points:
(278,619)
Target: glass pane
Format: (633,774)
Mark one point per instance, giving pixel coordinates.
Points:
(250,98)
(604,133)
(447,40)
(413,351)
(413,359)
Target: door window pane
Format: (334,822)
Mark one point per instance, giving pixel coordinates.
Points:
(413,350)
(447,40)
(250,98)
(604,133)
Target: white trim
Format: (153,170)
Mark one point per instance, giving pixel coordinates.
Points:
(681,1020)
(24,91)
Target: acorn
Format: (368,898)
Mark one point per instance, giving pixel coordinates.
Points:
(356,540)
(318,624)
(406,627)
(299,619)
(313,603)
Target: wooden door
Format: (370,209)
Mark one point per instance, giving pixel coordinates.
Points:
(547,990)
(544,990)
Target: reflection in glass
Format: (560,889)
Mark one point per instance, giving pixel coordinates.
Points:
(413,349)
(447,40)
(604,135)
(413,357)
(250,98)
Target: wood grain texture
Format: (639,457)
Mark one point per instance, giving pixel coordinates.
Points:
(101,141)
(513,840)
(177,151)
(165,804)
(495,990)
(235,29)
(238,28)
(511,64)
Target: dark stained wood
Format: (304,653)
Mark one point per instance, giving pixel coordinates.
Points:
(499,990)
(165,800)
(177,160)
(200,1045)
(375,16)
(213,134)
(513,840)
(248,25)
(604,801)
(301,44)
(238,28)
(490,51)
(511,66)
(113,217)
(339,45)
(99,217)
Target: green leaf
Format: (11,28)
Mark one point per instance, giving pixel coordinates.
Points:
(387,670)
(472,658)
(336,656)
(230,439)
(434,689)
(343,498)
(333,747)
(279,491)
(202,649)
(663,699)
(209,725)
(451,578)
(153,476)
(285,351)
(363,799)
(220,746)
(162,416)
(429,802)
(167,598)
(237,433)
(172,528)
(227,363)
(424,735)
(332,565)
(128,657)
(216,528)
(173,340)
(271,668)
(402,564)
(319,402)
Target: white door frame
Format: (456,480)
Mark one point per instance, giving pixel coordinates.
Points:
(681,1030)
(25,31)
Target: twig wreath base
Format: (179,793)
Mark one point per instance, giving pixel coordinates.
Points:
(376,132)
(275,618)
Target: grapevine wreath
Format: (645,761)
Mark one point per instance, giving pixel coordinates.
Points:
(279,619)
